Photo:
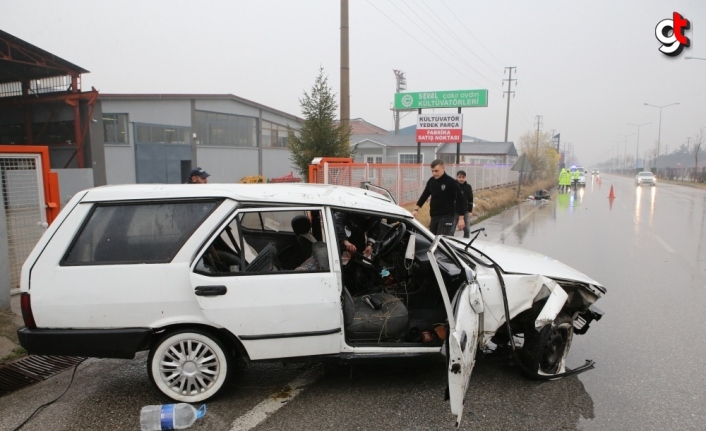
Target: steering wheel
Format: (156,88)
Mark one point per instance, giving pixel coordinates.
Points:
(391,239)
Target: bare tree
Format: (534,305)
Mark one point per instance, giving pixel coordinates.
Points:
(541,153)
(698,141)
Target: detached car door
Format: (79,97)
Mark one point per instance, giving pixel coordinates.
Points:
(275,309)
(462,341)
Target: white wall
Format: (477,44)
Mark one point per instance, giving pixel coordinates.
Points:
(167,112)
(228,164)
(120,164)
(227,107)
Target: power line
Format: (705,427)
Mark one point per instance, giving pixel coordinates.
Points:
(454,35)
(420,42)
(471,33)
(443,43)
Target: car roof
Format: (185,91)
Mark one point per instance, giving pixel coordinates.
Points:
(645,173)
(280,193)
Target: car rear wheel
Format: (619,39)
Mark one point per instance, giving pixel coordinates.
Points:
(189,365)
(545,352)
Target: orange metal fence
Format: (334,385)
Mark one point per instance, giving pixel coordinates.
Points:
(404,181)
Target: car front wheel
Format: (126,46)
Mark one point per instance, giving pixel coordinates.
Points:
(545,352)
(189,365)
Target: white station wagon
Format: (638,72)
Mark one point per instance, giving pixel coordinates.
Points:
(204,275)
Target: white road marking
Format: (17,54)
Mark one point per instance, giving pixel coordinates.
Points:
(664,244)
(274,402)
(509,229)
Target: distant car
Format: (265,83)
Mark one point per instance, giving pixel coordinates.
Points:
(645,178)
(595,172)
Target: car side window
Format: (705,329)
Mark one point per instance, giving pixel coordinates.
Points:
(129,233)
(260,242)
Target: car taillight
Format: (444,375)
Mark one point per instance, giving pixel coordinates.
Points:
(27,315)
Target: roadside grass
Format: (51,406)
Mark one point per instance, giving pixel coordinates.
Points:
(17,352)
(8,329)
(491,201)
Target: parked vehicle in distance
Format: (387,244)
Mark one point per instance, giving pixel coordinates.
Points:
(582,175)
(645,177)
(204,276)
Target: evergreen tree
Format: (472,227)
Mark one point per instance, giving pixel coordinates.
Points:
(320,135)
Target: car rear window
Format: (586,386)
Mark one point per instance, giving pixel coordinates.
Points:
(136,233)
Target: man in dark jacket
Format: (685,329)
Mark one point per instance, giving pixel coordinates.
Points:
(364,231)
(468,194)
(447,201)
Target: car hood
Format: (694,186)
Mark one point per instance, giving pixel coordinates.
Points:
(521,261)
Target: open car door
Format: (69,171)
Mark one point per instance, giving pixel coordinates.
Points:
(462,340)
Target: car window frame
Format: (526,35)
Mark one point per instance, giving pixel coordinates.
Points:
(235,215)
(101,204)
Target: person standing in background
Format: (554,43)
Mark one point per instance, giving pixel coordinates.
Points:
(468,194)
(447,201)
(564,180)
(198,176)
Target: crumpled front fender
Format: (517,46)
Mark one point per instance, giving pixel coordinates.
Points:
(555,302)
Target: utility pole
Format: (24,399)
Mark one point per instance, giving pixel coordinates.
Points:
(401,85)
(345,70)
(508,92)
(539,126)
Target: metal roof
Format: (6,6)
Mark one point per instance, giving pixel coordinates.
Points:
(21,61)
(485,148)
(162,96)
(387,140)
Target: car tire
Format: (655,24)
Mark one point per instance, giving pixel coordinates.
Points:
(189,365)
(544,352)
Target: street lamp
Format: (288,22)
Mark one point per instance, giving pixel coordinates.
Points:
(637,149)
(694,58)
(615,161)
(625,151)
(659,132)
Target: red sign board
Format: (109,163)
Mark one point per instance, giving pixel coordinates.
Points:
(439,128)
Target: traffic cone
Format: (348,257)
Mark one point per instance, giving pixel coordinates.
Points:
(611,195)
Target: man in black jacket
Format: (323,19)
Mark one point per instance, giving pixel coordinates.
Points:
(447,201)
(468,194)
(364,231)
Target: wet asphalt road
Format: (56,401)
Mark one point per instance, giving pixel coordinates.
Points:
(645,248)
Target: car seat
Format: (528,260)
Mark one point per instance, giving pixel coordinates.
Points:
(301,225)
(374,317)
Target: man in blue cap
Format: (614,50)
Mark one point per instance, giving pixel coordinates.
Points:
(198,176)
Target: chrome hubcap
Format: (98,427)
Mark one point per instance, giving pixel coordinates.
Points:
(189,367)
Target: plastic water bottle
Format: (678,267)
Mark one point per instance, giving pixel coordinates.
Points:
(169,416)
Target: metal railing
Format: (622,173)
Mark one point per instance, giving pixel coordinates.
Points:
(406,182)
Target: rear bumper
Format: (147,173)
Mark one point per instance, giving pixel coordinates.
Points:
(96,343)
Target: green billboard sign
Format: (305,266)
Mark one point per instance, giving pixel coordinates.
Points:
(442,99)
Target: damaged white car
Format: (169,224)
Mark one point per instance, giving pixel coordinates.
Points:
(203,276)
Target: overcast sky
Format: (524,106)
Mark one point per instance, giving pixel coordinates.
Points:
(587,67)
